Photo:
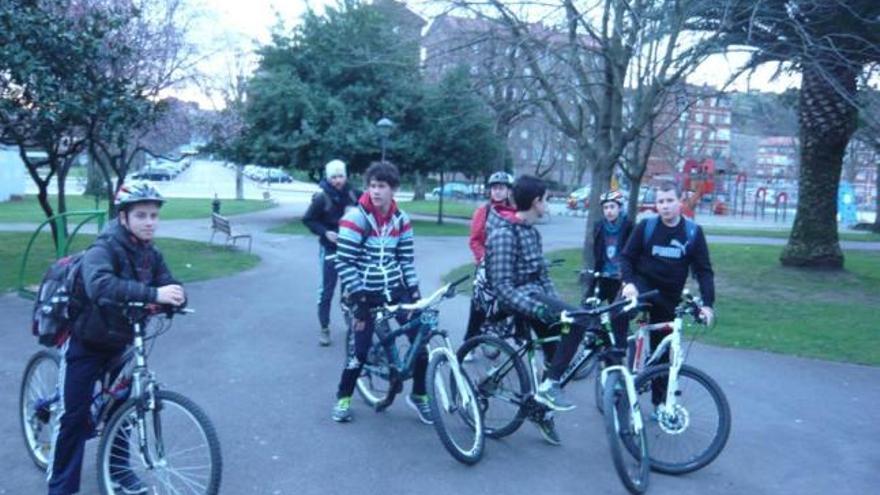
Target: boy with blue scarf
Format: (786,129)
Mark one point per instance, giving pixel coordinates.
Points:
(609,238)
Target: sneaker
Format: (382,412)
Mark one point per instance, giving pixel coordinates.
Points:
(342,410)
(550,394)
(128,483)
(547,427)
(420,404)
(324,339)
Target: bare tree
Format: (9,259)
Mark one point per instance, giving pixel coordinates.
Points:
(584,56)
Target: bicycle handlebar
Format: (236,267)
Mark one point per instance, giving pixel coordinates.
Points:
(445,292)
(625,304)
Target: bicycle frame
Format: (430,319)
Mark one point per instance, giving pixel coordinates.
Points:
(671,344)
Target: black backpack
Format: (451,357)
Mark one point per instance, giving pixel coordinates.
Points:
(60,300)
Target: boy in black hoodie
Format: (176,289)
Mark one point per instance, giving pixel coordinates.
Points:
(322,218)
(121,266)
(659,255)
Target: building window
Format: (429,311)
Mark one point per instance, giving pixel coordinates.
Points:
(711,118)
(523,154)
(698,134)
(527,71)
(699,118)
(724,134)
(524,133)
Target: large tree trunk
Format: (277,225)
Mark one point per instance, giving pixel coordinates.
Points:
(599,183)
(419,191)
(827,122)
(239,182)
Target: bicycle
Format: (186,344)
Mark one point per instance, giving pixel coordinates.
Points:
(508,383)
(691,421)
(171,436)
(451,396)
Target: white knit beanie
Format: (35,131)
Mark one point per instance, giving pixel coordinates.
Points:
(334,168)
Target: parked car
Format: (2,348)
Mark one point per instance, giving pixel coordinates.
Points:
(155,173)
(275,175)
(456,190)
(579,199)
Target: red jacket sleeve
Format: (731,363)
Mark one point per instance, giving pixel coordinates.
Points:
(478,234)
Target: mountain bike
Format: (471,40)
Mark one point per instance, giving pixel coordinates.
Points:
(451,396)
(691,421)
(506,385)
(160,437)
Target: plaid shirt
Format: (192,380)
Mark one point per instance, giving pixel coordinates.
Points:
(515,265)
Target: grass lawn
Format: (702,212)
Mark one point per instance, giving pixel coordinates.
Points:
(783,234)
(451,208)
(29,211)
(762,305)
(427,228)
(188,260)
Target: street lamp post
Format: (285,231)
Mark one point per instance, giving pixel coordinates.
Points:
(385,125)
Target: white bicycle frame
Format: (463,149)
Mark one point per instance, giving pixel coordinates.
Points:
(630,383)
(672,342)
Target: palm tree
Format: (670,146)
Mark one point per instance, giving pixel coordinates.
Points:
(831,43)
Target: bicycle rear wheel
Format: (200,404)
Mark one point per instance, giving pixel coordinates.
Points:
(694,432)
(632,464)
(181,454)
(39,399)
(500,380)
(455,411)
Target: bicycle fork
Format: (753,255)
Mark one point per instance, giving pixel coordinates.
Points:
(457,374)
(630,386)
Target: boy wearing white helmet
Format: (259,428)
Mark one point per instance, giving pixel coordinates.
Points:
(121,266)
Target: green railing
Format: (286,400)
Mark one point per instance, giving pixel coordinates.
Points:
(63,244)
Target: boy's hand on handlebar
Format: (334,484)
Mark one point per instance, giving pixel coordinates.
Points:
(630,291)
(171,294)
(707,315)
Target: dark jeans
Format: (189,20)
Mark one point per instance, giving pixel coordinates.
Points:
(559,355)
(81,367)
(327,285)
(662,309)
(359,345)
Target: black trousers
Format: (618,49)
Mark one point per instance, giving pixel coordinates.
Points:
(81,367)
(662,309)
(558,356)
(359,345)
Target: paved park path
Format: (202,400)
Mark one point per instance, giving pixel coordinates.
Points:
(249,356)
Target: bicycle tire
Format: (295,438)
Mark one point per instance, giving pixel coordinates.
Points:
(671,433)
(164,470)
(34,422)
(618,427)
(508,403)
(374,383)
(599,392)
(469,451)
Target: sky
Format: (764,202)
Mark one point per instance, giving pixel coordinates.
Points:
(227,27)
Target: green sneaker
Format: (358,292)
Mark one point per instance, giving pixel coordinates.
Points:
(422,407)
(342,410)
(547,427)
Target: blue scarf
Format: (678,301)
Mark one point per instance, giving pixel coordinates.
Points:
(613,228)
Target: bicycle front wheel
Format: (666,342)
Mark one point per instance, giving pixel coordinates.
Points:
(629,448)
(176,451)
(500,380)
(455,411)
(691,434)
(39,400)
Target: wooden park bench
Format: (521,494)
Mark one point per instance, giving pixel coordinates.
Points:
(219,223)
